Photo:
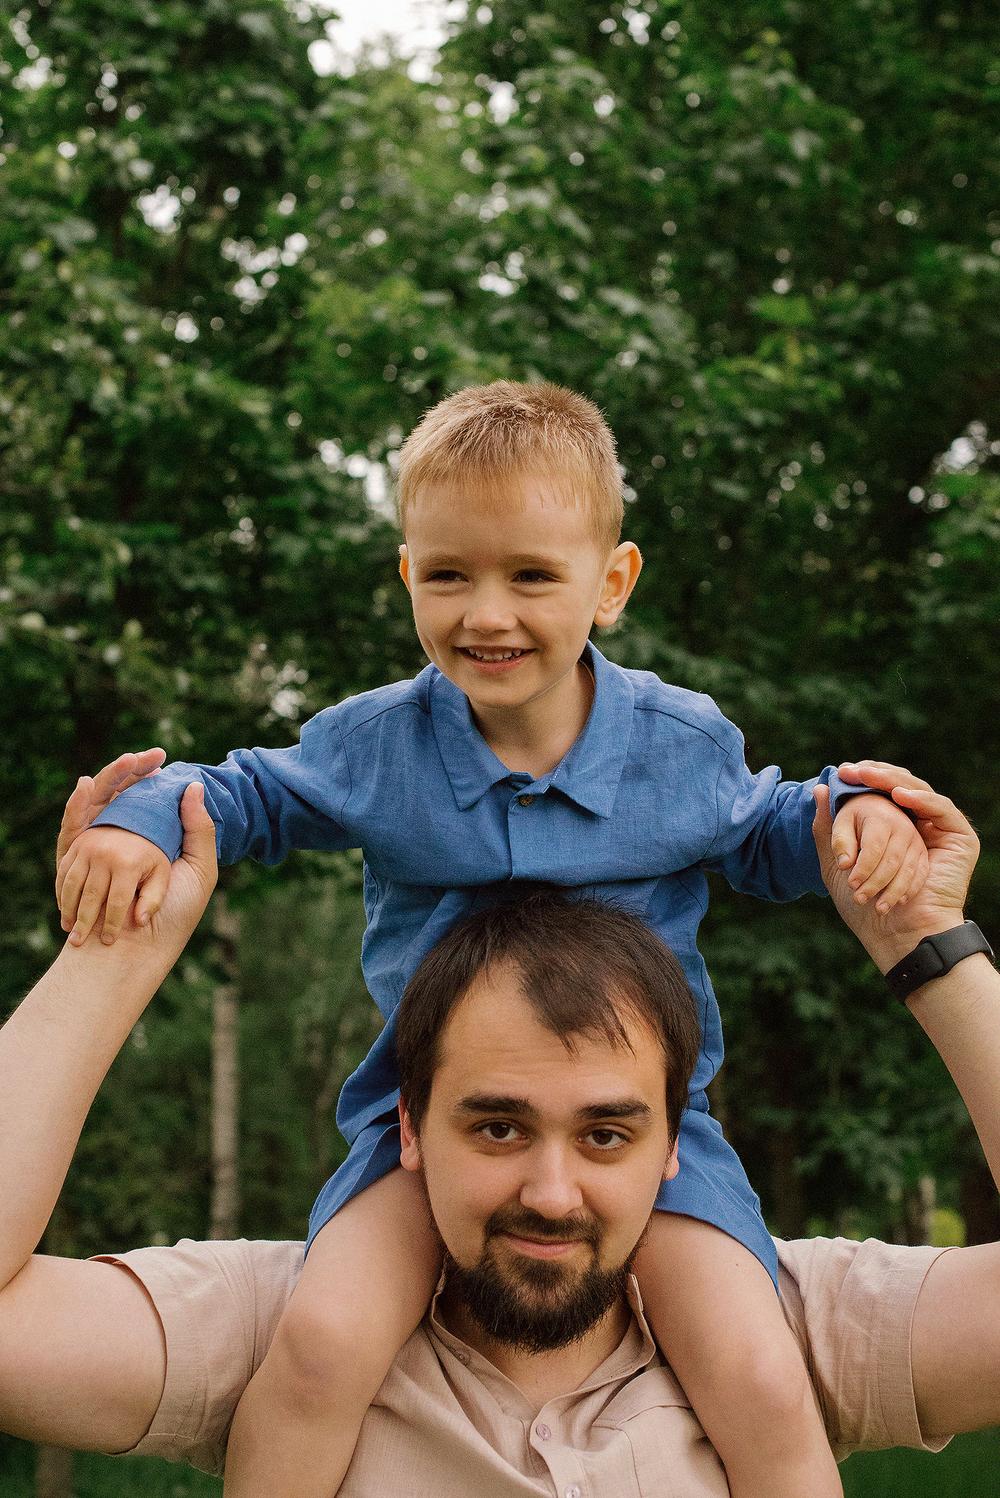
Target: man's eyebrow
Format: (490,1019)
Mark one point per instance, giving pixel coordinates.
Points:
(617,1108)
(479,1104)
(487,1104)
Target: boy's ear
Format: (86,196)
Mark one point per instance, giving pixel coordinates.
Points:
(409,1147)
(404,565)
(621,575)
(672,1164)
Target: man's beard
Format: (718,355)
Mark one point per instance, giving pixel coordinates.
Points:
(541,1304)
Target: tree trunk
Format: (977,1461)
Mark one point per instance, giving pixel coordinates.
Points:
(787,1198)
(225,1206)
(979,1204)
(919,1205)
(53,1472)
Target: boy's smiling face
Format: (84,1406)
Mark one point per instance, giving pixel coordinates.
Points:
(504,596)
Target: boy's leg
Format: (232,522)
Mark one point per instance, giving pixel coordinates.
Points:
(364,1288)
(717,1319)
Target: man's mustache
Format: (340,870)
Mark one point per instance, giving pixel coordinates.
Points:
(528,1224)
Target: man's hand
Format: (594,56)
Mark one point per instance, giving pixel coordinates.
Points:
(952,850)
(879,849)
(191,880)
(106,867)
(93,793)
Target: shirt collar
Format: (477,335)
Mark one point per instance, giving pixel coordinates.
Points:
(588,774)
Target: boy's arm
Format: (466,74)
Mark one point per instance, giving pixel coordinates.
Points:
(764,844)
(264,802)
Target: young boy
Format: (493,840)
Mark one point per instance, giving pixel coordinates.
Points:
(518,754)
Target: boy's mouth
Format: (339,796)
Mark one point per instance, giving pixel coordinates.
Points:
(491,657)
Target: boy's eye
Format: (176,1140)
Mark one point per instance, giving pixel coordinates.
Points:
(605,1139)
(533,575)
(443,575)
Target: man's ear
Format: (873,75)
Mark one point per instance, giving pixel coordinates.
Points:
(404,566)
(620,577)
(409,1146)
(673,1164)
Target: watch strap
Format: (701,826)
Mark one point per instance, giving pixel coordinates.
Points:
(935,956)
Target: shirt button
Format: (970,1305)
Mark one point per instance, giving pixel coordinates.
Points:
(573,1492)
(525,800)
(463,1358)
(543,1433)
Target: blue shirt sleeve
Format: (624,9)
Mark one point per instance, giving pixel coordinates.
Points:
(264,802)
(764,844)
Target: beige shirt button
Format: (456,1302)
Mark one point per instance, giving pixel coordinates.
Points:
(525,800)
(544,1433)
(573,1492)
(463,1358)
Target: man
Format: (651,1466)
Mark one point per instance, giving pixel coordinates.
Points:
(541,1144)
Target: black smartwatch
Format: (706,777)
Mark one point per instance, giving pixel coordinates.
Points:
(935,956)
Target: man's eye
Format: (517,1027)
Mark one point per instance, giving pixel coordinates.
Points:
(498,1133)
(605,1139)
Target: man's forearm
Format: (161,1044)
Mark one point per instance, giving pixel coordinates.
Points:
(55,1051)
(960,1014)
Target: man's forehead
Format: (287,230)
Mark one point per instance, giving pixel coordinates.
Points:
(495,1045)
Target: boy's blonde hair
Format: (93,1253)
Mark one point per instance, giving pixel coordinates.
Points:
(482,437)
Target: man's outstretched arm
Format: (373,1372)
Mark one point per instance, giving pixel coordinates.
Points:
(81,1350)
(955,1338)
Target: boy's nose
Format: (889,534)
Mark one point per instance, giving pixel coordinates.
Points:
(488,614)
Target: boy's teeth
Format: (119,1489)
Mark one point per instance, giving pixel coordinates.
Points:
(493,655)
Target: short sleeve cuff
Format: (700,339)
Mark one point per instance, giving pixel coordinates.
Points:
(851,1305)
(218,1305)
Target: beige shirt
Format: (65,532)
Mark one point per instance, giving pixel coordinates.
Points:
(448,1424)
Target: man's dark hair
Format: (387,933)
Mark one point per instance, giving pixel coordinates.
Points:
(585,968)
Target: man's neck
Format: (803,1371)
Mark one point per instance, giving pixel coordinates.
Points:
(541,1376)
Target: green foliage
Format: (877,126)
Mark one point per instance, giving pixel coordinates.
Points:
(764,238)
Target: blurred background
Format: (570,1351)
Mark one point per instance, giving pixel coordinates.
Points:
(243,246)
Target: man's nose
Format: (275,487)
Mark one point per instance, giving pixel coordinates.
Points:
(489,612)
(550,1187)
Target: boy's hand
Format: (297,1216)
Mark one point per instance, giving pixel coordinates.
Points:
(876,843)
(938,905)
(106,866)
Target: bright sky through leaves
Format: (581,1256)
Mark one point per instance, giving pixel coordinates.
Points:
(415,27)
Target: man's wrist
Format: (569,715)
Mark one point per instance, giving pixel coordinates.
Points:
(934,958)
(887,950)
(137,962)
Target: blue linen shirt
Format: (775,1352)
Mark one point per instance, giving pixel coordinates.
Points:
(654,792)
